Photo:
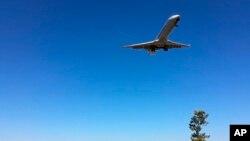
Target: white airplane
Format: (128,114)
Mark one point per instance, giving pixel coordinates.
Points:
(161,42)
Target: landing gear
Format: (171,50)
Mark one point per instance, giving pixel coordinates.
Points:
(152,49)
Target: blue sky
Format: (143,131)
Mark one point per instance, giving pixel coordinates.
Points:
(65,76)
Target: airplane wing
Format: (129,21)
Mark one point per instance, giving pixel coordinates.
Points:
(172,44)
(144,45)
(168,27)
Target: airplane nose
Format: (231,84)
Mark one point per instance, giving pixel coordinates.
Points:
(174,17)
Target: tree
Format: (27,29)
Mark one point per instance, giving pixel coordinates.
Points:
(196,123)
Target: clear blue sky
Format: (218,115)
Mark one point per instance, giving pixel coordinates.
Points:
(64,75)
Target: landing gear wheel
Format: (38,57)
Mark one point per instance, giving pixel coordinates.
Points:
(165,49)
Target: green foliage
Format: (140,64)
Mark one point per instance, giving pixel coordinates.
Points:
(196,123)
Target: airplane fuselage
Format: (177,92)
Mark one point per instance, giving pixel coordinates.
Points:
(168,27)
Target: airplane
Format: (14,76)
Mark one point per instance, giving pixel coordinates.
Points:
(161,41)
